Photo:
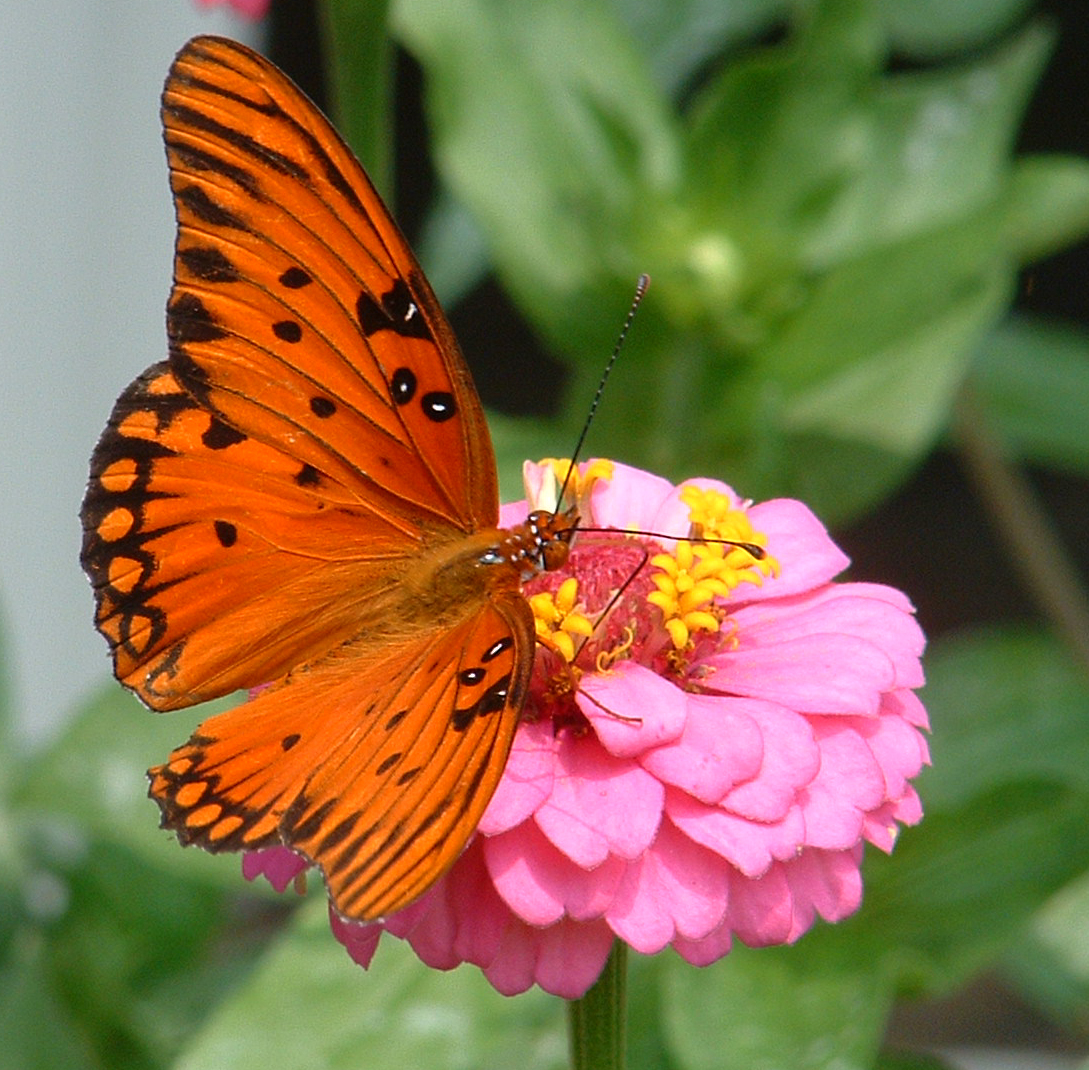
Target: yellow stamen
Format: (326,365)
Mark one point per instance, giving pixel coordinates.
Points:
(606,659)
(546,494)
(696,573)
(713,516)
(558,620)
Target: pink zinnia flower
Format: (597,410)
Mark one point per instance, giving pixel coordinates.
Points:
(704,762)
(250,9)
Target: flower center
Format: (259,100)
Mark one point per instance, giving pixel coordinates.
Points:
(624,596)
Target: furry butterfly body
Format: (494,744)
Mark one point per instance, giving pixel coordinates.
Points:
(304,495)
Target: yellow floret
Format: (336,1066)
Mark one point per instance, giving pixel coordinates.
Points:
(557,619)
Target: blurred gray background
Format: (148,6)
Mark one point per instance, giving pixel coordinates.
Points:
(86,235)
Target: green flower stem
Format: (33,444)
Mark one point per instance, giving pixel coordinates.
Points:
(598,1021)
(1020,520)
(359,71)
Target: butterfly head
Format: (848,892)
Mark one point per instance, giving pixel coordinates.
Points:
(541,543)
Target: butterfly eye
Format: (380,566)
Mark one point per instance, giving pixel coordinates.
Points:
(554,553)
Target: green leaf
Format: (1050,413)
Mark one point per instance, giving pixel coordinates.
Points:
(1007,705)
(548,127)
(768,1008)
(517,441)
(1048,205)
(360,70)
(932,28)
(1033,378)
(309,1006)
(680,36)
(1050,961)
(889,378)
(1007,803)
(93,779)
(911,1061)
(37,1029)
(124,940)
(960,886)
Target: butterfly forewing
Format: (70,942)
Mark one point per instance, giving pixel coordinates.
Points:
(298,311)
(219,562)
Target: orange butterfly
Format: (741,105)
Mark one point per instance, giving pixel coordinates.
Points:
(305,494)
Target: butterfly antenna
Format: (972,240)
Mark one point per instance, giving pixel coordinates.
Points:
(640,290)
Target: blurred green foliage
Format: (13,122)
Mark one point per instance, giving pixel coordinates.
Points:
(833,250)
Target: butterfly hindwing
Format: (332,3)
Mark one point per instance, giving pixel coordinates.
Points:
(376,763)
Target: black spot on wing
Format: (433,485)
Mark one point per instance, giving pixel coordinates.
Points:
(497,648)
(492,701)
(395,310)
(438,406)
(226,533)
(208,211)
(388,763)
(396,719)
(188,320)
(294,278)
(287,331)
(322,407)
(403,386)
(307,476)
(208,263)
(219,436)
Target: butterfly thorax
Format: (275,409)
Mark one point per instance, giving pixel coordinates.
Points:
(488,564)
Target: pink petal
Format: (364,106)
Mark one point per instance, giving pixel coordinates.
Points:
(360,941)
(706,950)
(251,9)
(599,804)
(828,673)
(751,846)
(848,785)
(799,541)
(826,882)
(527,779)
(870,612)
(632,708)
(564,959)
(879,827)
(720,746)
(791,760)
(762,911)
(629,500)
(672,515)
(511,514)
(279,865)
(541,885)
(461,919)
(675,887)
(898,748)
(906,704)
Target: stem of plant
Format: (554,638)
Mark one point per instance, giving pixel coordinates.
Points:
(598,1021)
(1035,549)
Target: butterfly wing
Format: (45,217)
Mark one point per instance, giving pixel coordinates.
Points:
(317,425)
(218,562)
(299,312)
(375,763)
